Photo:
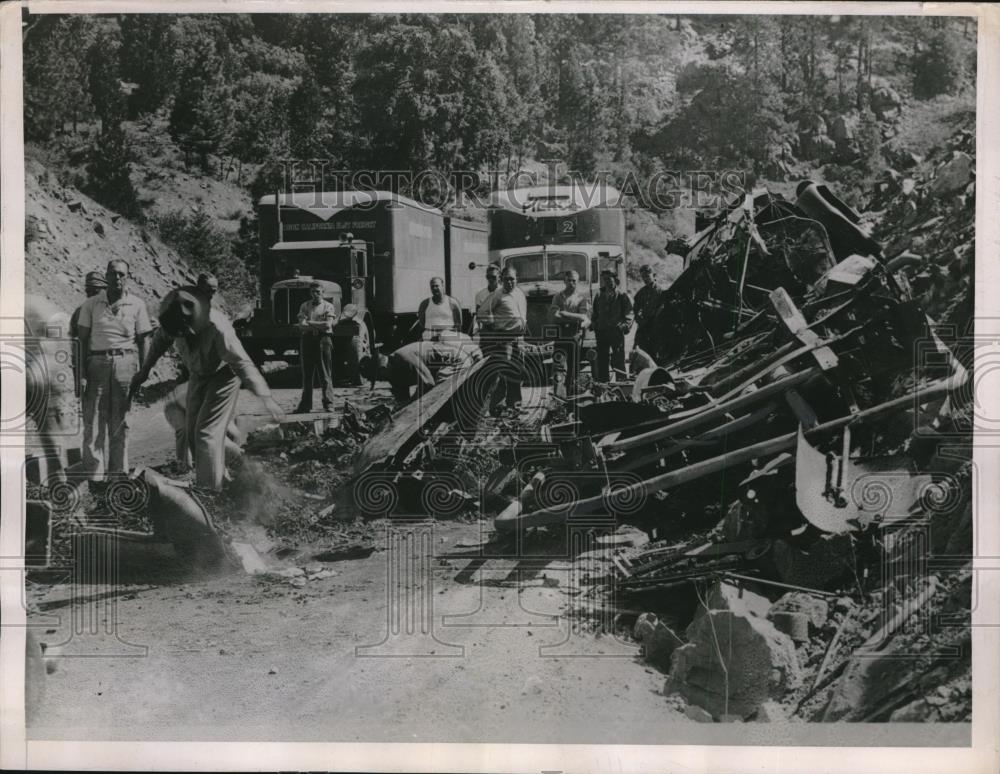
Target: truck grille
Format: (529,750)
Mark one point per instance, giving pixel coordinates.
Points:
(286,304)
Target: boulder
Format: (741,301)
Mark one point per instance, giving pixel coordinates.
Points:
(770,712)
(734,661)
(823,148)
(954,175)
(697,714)
(658,640)
(841,130)
(725,596)
(795,625)
(816,609)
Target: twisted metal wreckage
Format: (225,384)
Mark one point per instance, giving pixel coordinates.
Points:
(799,386)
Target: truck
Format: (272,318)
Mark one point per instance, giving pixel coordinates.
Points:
(544,231)
(373,250)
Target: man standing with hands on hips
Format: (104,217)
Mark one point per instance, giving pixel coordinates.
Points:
(612,319)
(113,327)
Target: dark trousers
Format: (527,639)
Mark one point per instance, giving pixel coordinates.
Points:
(504,350)
(645,339)
(569,366)
(316,355)
(610,352)
(404,374)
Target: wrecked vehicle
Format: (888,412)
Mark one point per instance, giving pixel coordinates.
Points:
(805,373)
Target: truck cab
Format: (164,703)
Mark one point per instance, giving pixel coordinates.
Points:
(540,276)
(340,266)
(544,231)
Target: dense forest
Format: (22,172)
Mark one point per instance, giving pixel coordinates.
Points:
(618,95)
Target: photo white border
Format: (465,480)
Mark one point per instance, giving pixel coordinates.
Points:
(982,756)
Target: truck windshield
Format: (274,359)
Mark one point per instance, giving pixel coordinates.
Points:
(531,267)
(333,264)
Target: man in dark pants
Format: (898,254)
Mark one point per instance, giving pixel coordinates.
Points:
(316,319)
(647,299)
(612,319)
(501,340)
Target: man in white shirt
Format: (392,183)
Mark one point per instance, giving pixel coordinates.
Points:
(570,314)
(502,337)
(316,319)
(439,313)
(492,283)
(113,327)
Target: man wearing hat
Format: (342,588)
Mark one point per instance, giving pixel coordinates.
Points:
(612,319)
(113,328)
(316,319)
(93,284)
(218,366)
(647,299)
(208,285)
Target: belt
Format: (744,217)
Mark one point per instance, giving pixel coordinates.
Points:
(112,352)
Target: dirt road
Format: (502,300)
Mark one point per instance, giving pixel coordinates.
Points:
(429,638)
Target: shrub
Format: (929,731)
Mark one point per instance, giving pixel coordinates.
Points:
(939,67)
(109,181)
(206,247)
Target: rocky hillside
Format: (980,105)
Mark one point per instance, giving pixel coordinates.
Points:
(67,234)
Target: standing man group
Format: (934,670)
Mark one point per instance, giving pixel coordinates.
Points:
(112,327)
(316,319)
(570,313)
(503,325)
(612,319)
(647,299)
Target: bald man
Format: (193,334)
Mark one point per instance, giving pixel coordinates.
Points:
(113,328)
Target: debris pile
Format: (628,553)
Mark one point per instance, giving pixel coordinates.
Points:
(923,215)
(784,449)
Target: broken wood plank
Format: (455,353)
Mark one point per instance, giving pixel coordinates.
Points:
(406,423)
(796,323)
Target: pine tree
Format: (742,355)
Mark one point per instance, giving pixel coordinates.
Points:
(104,83)
(108,172)
(147,59)
(938,67)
